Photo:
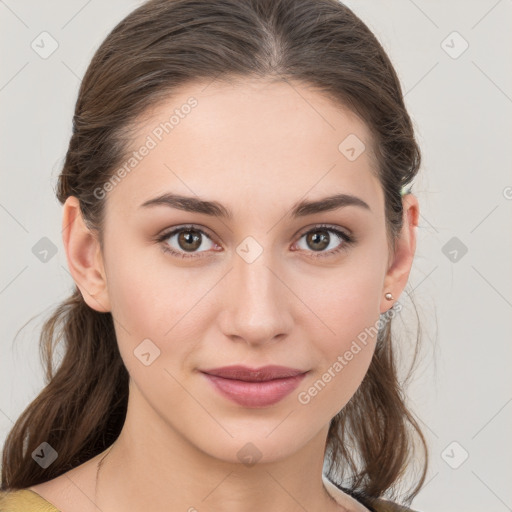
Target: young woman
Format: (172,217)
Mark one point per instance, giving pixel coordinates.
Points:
(236,221)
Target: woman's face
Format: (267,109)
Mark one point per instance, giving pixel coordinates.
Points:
(269,284)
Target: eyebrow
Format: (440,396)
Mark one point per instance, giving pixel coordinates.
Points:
(216,209)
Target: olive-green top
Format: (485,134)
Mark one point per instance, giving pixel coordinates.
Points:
(26,500)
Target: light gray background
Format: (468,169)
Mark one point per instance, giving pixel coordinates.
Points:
(462,110)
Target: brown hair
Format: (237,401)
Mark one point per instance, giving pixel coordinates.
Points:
(162,45)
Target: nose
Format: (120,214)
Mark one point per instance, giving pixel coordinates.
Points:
(257,302)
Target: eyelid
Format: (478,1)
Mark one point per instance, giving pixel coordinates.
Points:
(183,227)
(160,238)
(328,227)
(347,238)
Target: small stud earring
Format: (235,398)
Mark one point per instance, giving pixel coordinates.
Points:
(388,296)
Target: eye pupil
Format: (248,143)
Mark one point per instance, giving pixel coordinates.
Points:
(323,239)
(189,237)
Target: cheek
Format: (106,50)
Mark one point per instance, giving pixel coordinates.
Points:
(344,304)
(347,317)
(145,294)
(152,300)
(147,309)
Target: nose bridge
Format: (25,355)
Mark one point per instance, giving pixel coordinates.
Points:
(255,282)
(256,303)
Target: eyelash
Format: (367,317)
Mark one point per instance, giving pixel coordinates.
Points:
(347,240)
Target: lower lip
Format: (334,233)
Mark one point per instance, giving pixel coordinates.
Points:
(255,394)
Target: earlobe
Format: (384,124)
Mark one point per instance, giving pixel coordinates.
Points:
(84,257)
(398,272)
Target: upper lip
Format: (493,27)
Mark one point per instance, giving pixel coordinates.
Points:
(245,373)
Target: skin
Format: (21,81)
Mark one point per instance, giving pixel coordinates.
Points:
(273,145)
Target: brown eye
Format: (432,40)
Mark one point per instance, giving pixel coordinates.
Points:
(319,238)
(188,240)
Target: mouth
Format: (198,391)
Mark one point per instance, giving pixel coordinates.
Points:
(265,373)
(260,387)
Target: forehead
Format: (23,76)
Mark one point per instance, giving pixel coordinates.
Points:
(249,142)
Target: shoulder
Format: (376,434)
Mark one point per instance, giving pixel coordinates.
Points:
(24,500)
(372,504)
(382,505)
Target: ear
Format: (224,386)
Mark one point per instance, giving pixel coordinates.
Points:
(83,253)
(405,247)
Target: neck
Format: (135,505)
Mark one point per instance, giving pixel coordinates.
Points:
(191,480)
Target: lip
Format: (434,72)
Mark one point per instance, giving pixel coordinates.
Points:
(264,373)
(254,387)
